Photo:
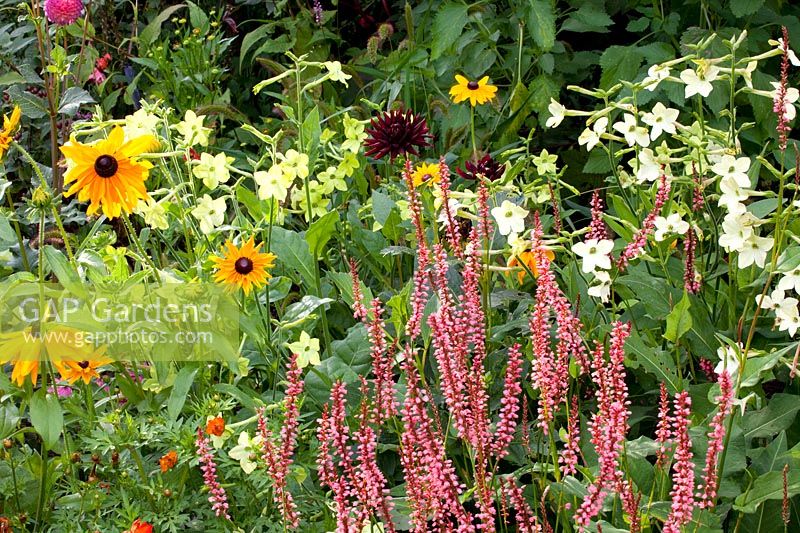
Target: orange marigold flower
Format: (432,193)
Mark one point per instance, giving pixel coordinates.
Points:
(216,426)
(168,461)
(140,526)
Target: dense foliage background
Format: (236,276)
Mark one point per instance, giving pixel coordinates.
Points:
(103,467)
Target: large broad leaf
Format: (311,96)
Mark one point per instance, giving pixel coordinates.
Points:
(64,272)
(350,358)
(151,32)
(768,487)
(654,360)
(73,99)
(619,63)
(293,252)
(9,417)
(447,27)
(775,417)
(47,417)
(679,320)
(321,231)
(542,23)
(180,390)
(743,8)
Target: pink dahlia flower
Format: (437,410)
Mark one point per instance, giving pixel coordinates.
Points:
(63,12)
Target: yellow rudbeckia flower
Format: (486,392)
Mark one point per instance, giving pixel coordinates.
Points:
(477,92)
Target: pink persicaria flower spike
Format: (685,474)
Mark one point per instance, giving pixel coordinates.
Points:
(707,493)
(597,228)
(217,496)
(63,12)
(663,432)
(682,492)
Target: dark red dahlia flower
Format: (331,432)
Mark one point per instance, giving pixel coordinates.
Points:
(486,166)
(396,133)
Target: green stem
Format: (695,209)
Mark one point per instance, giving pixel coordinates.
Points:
(22,253)
(134,239)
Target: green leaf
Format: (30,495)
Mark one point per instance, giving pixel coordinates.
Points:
(197,17)
(590,17)
(10,78)
(743,8)
(47,417)
(251,39)
(151,32)
(293,251)
(447,26)
(64,272)
(9,417)
(653,360)
(7,234)
(679,320)
(619,63)
(775,417)
(542,23)
(73,99)
(301,310)
(180,389)
(311,133)
(321,231)
(768,487)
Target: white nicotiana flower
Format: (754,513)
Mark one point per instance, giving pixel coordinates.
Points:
(307,350)
(212,169)
(557,114)
(246,451)
(734,233)
(755,251)
(591,136)
(210,213)
(734,168)
(510,218)
(661,119)
(655,75)
(594,254)
(192,129)
(601,286)
(294,164)
(633,133)
(646,166)
(747,73)
(792,94)
(153,213)
(788,319)
(272,183)
(699,81)
(140,123)
(671,224)
(729,360)
(454,205)
(545,163)
(733,194)
(792,56)
(336,73)
(790,281)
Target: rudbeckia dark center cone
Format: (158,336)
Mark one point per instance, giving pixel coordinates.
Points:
(243,266)
(84,364)
(105,166)
(473,85)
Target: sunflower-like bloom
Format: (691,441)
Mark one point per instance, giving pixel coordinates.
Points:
(485,166)
(243,267)
(72,371)
(426,174)
(7,133)
(108,174)
(25,348)
(395,133)
(478,92)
